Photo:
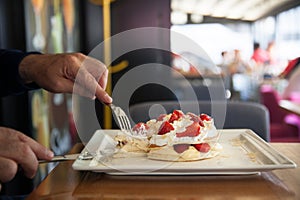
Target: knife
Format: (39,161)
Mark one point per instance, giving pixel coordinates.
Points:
(61,158)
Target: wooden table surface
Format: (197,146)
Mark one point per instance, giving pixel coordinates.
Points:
(293,107)
(65,183)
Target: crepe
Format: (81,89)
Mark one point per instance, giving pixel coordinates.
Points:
(168,153)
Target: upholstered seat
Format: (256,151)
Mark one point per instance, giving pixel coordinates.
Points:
(284,126)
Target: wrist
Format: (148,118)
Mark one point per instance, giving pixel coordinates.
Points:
(26,68)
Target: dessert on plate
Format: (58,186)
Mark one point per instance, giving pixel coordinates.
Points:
(172,137)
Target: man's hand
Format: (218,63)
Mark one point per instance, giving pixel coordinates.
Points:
(67,73)
(18,149)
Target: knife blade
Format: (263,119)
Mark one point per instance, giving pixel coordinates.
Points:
(61,158)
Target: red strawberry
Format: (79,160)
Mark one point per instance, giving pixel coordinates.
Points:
(201,123)
(202,147)
(205,117)
(191,131)
(196,118)
(179,148)
(177,114)
(140,127)
(165,128)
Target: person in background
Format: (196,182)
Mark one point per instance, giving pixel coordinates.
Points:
(238,65)
(240,70)
(224,65)
(259,56)
(272,60)
(226,59)
(58,73)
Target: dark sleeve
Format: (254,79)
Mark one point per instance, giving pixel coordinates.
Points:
(10,80)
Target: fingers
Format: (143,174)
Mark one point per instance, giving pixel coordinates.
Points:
(26,156)
(103,79)
(22,154)
(87,77)
(18,149)
(27,159)
(98,71)
(86,85)
(39,150)
(98,92)
(103,96)
(8,169)
(59,72)
(72,72)
(31,151)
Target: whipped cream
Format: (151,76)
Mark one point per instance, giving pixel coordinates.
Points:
(180,126)
(167,131)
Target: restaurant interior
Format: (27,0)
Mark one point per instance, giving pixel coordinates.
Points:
(248,62)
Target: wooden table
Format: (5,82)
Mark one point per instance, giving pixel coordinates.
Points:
(290,106)
(65,183)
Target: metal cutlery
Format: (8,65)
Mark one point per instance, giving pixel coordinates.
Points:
(82,156)
(124,122)
(122,118)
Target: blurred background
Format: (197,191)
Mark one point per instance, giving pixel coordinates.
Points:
(255,46)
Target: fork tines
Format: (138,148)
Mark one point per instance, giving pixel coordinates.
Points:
(122,118)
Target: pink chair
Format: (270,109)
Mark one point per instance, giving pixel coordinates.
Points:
(284,126)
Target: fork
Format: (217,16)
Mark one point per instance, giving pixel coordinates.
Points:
(123,121)
(122,118)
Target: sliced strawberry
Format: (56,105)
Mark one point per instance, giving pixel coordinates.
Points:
(194,118)
(179,148)
(191,131)
(201,123)
(205,117)
(161,117)
(173,118)
(153,146)
(165,128)
(140,127)
(176,115)
(179,113)
(202,147)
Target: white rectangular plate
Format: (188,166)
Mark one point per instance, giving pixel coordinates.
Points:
(243,153)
